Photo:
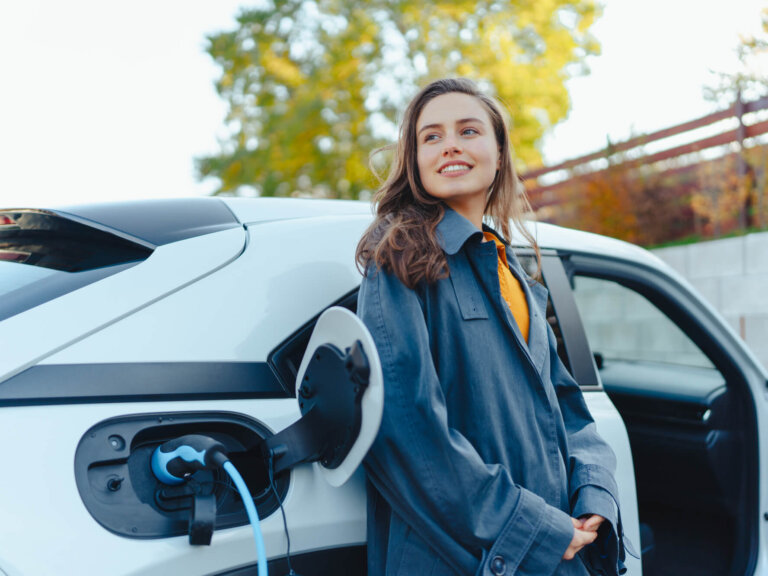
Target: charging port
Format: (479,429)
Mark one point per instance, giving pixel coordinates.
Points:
(115,481)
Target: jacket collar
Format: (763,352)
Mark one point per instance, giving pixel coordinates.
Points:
(454,230)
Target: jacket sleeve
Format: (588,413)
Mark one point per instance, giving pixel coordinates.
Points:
(429,473)
(591,466)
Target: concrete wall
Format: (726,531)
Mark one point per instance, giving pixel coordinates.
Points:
(733,275)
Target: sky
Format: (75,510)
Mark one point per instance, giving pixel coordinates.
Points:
(103,101)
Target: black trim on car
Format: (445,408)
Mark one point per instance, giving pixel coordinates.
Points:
(54,384)
(285,359)
(580,358)
(345,561)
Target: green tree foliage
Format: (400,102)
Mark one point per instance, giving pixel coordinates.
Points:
(314,86)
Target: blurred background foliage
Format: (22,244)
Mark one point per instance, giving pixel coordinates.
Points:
(673,202)
(313,87)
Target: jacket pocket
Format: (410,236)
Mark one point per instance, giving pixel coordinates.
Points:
(468,294)
(417,557)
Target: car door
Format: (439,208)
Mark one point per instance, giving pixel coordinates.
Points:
(693,400)
(573,348)
(95,378)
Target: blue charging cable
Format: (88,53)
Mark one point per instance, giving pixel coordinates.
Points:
(253,515)
(176,460)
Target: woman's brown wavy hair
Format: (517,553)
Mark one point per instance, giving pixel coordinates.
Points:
(402,238)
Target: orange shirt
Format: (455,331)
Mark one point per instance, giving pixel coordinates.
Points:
(510,289)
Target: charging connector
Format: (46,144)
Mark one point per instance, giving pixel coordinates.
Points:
(176,460)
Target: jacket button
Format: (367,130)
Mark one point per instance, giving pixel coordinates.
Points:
(498,565)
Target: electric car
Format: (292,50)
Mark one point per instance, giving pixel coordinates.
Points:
(126,326)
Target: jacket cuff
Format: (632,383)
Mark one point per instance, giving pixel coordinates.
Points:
(591,474)
(594,500)
(533,540)
(606,555)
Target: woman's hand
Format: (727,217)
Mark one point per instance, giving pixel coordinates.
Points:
(591,523)
(581,535)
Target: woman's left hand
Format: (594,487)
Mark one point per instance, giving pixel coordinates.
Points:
(591,523)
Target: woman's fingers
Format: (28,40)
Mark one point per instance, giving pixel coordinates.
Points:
(584,533)
(592,523)
(580,539)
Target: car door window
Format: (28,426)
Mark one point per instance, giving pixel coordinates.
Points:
(622,325)
(641,353)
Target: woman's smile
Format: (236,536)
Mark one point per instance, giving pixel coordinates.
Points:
(454,169)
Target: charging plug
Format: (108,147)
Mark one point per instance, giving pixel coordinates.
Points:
(177,459)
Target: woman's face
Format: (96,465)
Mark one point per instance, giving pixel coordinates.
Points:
(456,152)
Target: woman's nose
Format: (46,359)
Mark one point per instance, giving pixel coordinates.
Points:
(451,147)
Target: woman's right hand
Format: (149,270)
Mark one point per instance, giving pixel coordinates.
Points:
(580,539)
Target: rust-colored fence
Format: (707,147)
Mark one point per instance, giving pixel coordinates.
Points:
(670,175)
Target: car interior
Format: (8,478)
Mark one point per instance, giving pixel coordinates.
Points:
(689,418)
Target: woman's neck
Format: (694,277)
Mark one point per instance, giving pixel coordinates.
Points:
(472,211)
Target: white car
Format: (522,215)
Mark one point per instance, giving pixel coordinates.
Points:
(123,326)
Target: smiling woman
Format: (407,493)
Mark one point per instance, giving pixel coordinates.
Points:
(487,461)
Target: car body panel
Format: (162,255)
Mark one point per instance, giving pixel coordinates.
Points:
(60,537)
(65,320)
(611,428)
(251,313)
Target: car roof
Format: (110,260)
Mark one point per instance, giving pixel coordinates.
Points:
(548,236)
(160,221)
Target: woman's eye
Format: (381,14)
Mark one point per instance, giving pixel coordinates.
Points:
(430,137)
(469,131)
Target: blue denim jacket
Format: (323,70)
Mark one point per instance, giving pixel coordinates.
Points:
(486,447)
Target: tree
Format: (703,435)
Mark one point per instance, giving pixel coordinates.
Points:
(314,86)
(748,80)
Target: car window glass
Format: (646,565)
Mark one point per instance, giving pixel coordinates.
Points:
(15,276)
(621,324)
(45,255)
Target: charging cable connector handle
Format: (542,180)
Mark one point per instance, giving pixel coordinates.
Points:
(181,457)
(176,460)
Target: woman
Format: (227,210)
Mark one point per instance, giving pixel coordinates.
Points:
(487,460)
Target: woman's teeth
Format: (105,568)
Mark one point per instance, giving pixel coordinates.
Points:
(454,168)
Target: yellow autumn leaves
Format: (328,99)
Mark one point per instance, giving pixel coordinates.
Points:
(313,87)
